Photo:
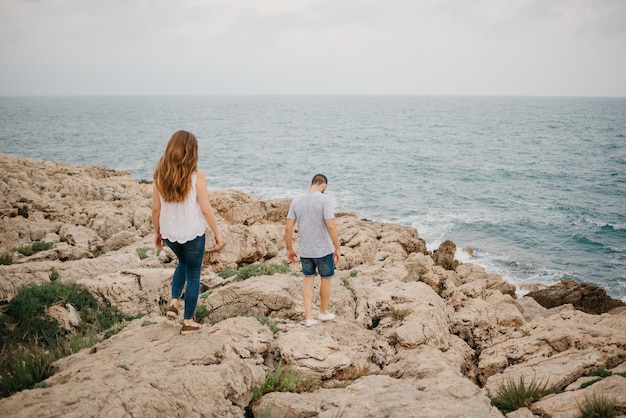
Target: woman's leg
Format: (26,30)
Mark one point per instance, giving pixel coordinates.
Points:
(194,255)
(180,273)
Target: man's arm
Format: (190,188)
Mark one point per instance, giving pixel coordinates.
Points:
(291,254)
(332,230)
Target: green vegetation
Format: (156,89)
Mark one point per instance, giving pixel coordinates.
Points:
(6,259)
(202,312)
(399,314)
(353,273)
(600,374)
(54,275)
(226,273)
(512,396)
(265,269)
(142,252)
(346,283)
(281,379)
(206,294)
(598,407)
(35,247)
(264,320)
(23,211)
(31,341)
(251,270)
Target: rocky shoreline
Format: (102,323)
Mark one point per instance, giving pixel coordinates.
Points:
(423,335)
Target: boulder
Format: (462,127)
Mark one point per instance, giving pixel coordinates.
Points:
(584,296)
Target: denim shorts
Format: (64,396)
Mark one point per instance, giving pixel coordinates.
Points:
(325,265)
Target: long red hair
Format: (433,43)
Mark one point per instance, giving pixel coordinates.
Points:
(173,172)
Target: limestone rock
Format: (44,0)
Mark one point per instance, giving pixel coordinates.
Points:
(584,296)
(149,370)
(444,255)
(416,334)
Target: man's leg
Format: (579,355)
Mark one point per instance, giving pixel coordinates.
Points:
(324,295)
(326,267)
(307,296)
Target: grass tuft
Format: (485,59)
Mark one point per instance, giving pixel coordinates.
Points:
(6,259)
(142,252)
(35,247)
(226,273)
(282,379)
(399,314)
(598,407)
(264,320)
(514,395)
(346,283)
(202,312)
(265,269)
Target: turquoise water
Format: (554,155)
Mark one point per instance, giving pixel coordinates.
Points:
(536,186)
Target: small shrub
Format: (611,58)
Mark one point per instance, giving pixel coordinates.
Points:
(6,259)
(123,366)
(346,283)
(399,314)
(34,341)
(512,396)
(206,294)
(23,211)
(353,273)
(226,273)
(35,247)
(598,407)
(264,320)
(590,382)
(281,379)
(23,368)
(202,312)
(142,252)
(261,270)
(600,373)
(54,275)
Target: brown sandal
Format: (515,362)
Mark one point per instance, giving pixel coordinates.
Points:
(172,313)
(188,329)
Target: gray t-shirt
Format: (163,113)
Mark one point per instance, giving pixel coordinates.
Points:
(310,211)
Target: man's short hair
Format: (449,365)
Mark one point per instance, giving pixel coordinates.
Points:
(319,179)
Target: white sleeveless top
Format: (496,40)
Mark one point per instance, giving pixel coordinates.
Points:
(182,222)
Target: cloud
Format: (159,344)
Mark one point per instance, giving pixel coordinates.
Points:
(561,47)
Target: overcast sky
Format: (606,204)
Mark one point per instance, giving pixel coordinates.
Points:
(451,47)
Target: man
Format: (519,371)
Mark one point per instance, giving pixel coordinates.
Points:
(319,244)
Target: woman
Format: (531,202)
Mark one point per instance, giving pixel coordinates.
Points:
(180,207)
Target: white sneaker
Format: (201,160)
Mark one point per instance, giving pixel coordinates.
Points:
(326,317)
(310,322)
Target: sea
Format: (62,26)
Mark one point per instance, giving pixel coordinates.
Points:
(534,186)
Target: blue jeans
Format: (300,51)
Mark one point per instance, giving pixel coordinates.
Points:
(190,256)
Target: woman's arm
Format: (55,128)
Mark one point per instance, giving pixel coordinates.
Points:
(156,214)
(207,210)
